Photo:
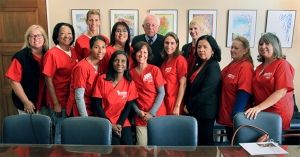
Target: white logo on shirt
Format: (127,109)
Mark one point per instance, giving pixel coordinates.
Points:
(148,77)
(168,69)
(122,94)
(231,76)
(268,75)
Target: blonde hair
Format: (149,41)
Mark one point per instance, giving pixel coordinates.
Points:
(93,12)
(27,34)
(202,23)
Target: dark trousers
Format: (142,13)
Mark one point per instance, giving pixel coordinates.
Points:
(205,131)
(229,133)
(126,138)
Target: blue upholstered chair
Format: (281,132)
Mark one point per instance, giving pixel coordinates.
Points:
(27,129)
(270,122)
(86,131)
(172,131)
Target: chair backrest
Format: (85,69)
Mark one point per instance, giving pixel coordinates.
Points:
(270,122)
(86,131)
(172,131)
(27,129)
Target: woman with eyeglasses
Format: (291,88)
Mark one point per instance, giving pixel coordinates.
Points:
(25,72)
(82,47)
(58,64)
(236,84)
(273,81)
(119,40)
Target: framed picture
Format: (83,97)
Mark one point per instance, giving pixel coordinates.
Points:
(78,21)
(281,23)
(168,20)
(241,23)
(209,21)
(131,17)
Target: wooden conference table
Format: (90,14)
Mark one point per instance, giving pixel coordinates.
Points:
(130,151)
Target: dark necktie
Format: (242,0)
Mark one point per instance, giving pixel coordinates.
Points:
(150,41)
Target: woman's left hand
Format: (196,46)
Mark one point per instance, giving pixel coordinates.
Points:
(185,109)
(251,113)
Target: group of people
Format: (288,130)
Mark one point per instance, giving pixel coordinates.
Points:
(151,77)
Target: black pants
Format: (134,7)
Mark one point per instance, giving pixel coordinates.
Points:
(126,138)
(205,132)
(229,133)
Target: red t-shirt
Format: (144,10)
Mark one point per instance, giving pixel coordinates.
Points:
(58,65)
(84,75)
(279,74)
(235,76)
(147,83)
(173,71)
(82,46)
(115,99)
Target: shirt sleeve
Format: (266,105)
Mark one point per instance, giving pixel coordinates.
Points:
(181,67)
(132,91)
(246,74)
(78,50)
(14,71)
(158,100)
(49,64)
(97,89)
(125,113)
(79,97)
(80,75)
(284,76)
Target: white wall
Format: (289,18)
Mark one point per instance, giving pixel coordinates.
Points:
(60,11)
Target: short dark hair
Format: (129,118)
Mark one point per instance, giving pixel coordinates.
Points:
(113,32)
(137,47)
(56,31)
(111,73)
(214,45)
(94,39)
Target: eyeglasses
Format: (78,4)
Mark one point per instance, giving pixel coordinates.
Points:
(119,31)
(38,36)
(267,33)
(150,25)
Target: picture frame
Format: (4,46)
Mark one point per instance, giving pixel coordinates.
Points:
(210,21)
(168,20)
(241,23)
(130,16)
(282,23)
(78,21)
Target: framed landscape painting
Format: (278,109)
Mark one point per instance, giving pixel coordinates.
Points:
(168,20)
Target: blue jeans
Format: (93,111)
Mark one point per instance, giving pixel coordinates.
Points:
(57,124)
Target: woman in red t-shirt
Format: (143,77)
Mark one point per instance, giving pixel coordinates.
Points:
(114,95)
(273,81)
(83,79)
